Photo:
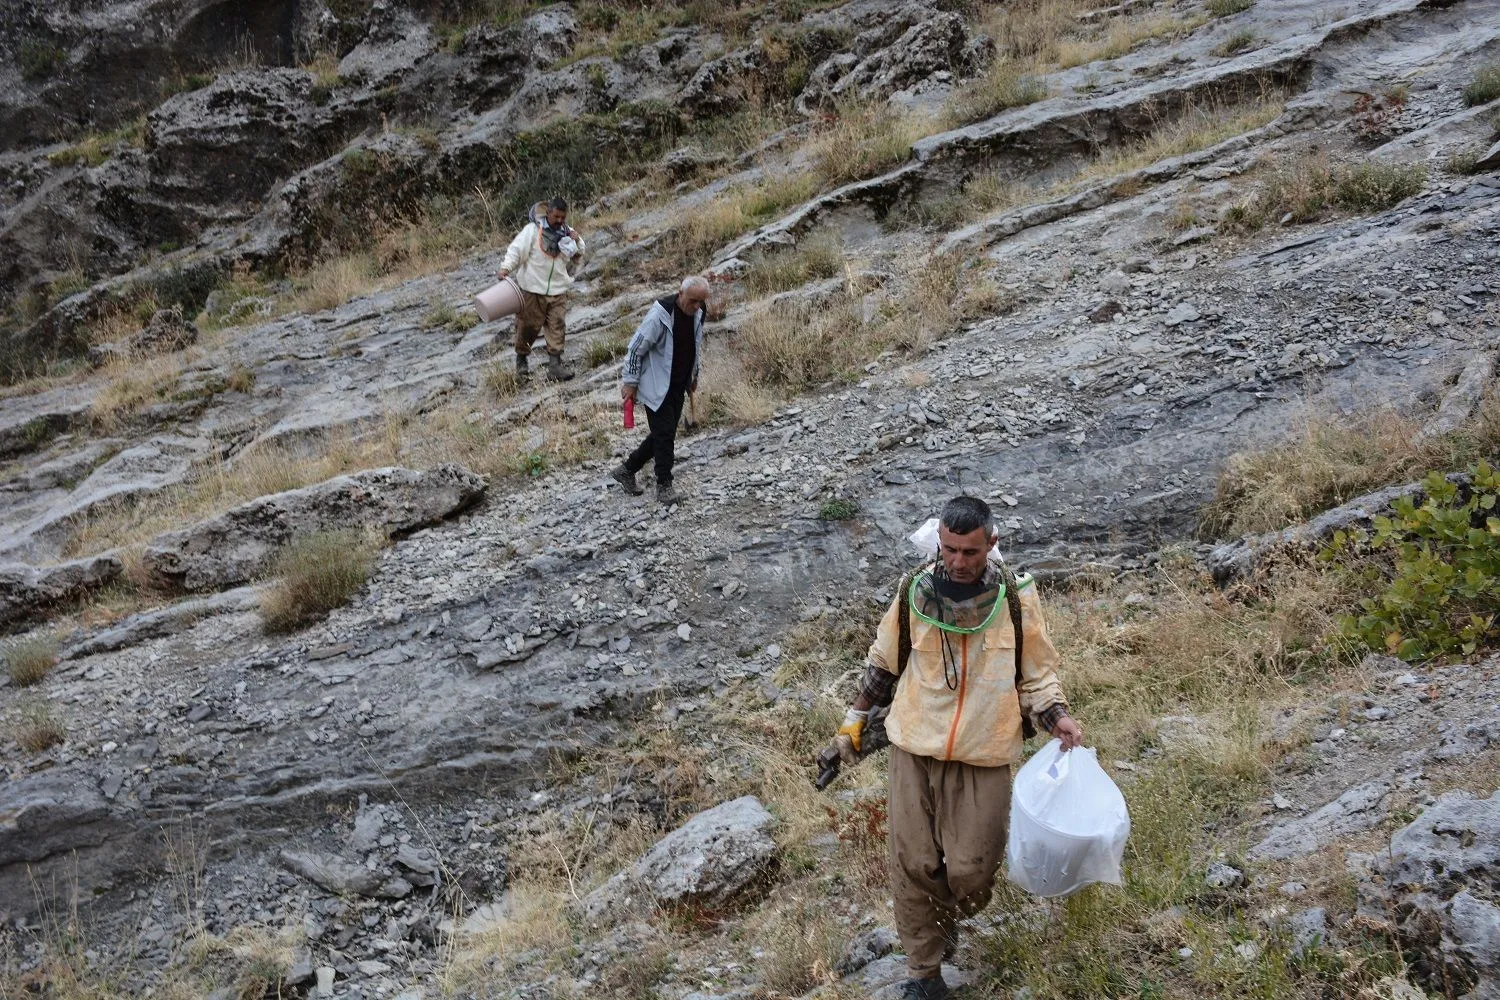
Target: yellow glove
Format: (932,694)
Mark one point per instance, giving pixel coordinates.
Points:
(854,726)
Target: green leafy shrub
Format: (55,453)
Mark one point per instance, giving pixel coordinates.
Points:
(1434,570)
(838,509)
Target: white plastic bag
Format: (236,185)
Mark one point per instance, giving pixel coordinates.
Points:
(1068,823)
(925,540)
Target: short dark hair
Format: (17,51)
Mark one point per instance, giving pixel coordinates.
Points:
(962,515)
(558,204)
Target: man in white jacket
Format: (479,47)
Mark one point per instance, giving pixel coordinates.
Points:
(542,258)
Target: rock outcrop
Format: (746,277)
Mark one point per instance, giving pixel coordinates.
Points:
(1439,893)
(240,544)
(709,861)
(27,592)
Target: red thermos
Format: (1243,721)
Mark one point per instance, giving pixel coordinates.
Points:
(630,413)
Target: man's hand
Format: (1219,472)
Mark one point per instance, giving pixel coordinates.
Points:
(502,274)
(1069,731)
(627,391)
(853,727)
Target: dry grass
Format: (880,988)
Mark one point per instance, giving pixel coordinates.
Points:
(1240,41)
(811,261)
(1330,461)
(36,728)
(316,574)
(218,485)
(1197,128)
(1224,8)
(610,345)
(1123,35)
(1302,188)
(31,658)
(499,379)
(1004,85)
(864,140)
(735,213)
(133,384)
(1485,86)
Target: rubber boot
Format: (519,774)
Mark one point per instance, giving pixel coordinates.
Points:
(523,369)
(555,370)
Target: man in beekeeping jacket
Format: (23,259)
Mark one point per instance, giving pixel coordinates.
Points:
(542,259)
(957,706)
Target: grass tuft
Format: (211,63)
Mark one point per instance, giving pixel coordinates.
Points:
(1224,8)
(36,728)
(30,659)
(1004,85)
(1302,189)
(864,141)
(315,574)
(1485,86)
(780,272)
(1329,462)
(610,346)
(1240,41)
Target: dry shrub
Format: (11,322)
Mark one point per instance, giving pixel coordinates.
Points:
(1003,85)
(1302,188)
(499,378)
(331,283)
(802,944)
(1123,35)
(737,212)
(779,272)
(864,140)
(30,659)
(798,345)
(315,574)
(133,384)
(35,728)
(1330,461)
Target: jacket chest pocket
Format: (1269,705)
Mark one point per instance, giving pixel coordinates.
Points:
(934,661)
(999,657)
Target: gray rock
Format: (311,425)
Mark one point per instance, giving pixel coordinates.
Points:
(30,592)
(1309,929)
(162,622)
(1437,891)
(709,860)
(905,49)
(241,543)
(1490,160)
(1463,399)
(868,947)
(342,877)
(1358,809)
(369,824)
(1222,876)
(1183,312)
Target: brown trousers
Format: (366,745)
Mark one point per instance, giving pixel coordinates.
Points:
(538,313)
(948,825)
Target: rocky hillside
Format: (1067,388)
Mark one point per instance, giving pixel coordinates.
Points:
(337,664)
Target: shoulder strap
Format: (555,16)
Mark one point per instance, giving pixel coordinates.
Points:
(1013,598)
(903,620)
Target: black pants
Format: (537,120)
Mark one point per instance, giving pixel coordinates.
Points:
(663,437)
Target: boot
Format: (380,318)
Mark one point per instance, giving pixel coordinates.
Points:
(666,495)
(626,478)
(523,369)
(924,989)
(555,370)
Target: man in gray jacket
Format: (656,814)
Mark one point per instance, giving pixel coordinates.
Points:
(661,368)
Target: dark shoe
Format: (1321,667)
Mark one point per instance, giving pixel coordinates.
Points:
(666,495)
(924,989)
(555,370)
(523,368)
(626,478)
